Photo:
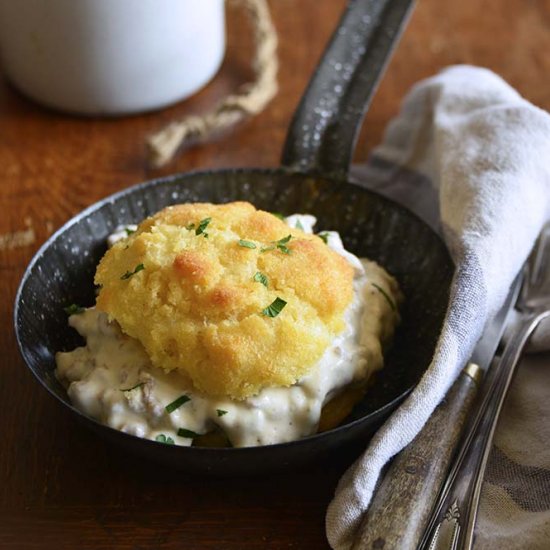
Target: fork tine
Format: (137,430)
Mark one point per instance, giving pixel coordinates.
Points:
(535,292)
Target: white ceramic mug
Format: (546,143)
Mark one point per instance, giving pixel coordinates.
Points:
(111,56)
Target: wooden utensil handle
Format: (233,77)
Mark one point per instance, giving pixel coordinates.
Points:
(402,503)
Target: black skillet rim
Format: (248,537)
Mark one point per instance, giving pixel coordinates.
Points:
(151,184)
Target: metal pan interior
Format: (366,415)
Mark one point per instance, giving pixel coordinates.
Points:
(370,225)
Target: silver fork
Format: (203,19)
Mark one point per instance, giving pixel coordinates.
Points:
(453,520)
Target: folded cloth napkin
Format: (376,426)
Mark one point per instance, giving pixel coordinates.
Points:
(471,157)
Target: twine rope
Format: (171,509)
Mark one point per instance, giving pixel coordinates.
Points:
(250,99)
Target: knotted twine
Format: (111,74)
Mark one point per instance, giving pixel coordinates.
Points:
(250,99)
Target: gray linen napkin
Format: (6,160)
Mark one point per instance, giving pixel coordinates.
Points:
(471,157)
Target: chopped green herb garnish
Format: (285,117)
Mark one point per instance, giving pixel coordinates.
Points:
(278,215)
(182,432)
(176,404)
(386,295)
(161,438)
(283,249)
(280,244)
(284,240)
(299,225)
(261,278)
(128,274)
(74,309)
(221,412)
(273,309)
(129,231)
(324,237)
(246,244)
(203,224)
(138,385)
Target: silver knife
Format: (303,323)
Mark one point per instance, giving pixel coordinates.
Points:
(401,506)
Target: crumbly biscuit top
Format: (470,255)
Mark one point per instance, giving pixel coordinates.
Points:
(194,284)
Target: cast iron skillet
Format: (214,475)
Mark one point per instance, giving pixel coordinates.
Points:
(312,179)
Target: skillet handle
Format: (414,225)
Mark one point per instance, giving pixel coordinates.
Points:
(324,129)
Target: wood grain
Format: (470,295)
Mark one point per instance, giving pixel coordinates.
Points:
(62,487)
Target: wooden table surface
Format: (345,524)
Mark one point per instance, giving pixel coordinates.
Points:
(63,487)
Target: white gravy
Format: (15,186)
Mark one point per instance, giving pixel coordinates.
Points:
(100,375)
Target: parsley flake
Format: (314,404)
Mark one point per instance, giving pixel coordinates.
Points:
(220,412)
(129,231)
(280,244)
(386,295)
(182,432)
(138,385)
(246,244)
(273,309)
(74,309)
(203,224)
(128,274)
(323,237)
(278,215)
(299,225)
(261,278)
(167,440)
(177,403)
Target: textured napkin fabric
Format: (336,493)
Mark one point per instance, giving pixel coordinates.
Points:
(515,500)
(472,158)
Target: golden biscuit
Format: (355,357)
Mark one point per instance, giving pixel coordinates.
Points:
(227,294)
